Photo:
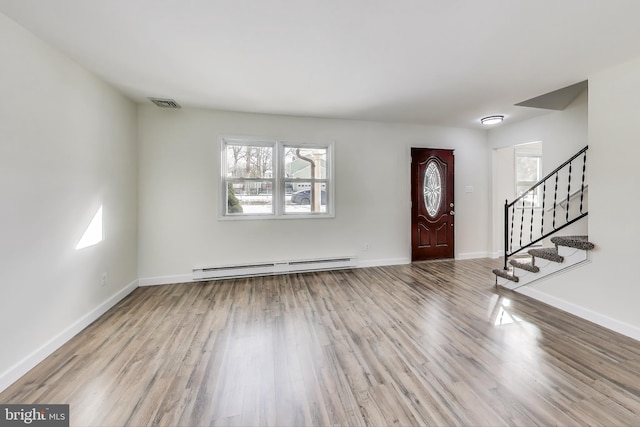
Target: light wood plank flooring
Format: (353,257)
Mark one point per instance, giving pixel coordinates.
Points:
(431,343)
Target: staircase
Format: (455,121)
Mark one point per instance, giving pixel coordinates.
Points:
(559,200)
(541,262)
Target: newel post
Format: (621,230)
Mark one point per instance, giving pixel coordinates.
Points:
(506,231)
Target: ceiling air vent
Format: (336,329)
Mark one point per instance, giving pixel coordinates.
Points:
(165,103)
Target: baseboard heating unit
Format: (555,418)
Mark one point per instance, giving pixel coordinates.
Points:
(270,268)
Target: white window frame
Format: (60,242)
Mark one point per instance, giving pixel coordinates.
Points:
(278,179)
(525,153)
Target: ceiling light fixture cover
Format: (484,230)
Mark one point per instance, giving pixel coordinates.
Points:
(491,120)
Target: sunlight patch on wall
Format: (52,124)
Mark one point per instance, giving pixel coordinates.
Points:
(93,233)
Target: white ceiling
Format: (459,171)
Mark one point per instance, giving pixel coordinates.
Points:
(446,62)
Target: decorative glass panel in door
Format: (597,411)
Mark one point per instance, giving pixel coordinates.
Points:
(432,188)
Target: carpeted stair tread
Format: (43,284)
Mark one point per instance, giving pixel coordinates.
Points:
(577,242)
(505,275)
(550,254)
(524,266)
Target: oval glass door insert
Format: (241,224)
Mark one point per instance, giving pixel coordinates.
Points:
(432,188)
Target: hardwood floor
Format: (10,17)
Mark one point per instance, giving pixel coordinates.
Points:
(431,343)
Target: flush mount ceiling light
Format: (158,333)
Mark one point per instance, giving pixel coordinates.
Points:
(491,120)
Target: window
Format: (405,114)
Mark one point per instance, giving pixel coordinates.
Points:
(249,178)
(528,171)
(275,179)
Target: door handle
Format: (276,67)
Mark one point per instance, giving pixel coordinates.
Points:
(452,213)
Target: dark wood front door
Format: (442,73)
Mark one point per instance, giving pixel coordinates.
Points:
(432,209)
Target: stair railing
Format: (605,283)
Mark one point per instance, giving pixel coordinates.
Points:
(540,211)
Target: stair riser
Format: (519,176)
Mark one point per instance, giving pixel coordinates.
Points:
(508,284)
(566,251)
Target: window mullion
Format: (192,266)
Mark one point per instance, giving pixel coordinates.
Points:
(278,185)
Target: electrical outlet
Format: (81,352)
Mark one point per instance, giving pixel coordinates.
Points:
(366,246)
(103,280)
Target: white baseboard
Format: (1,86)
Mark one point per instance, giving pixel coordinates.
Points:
(582,312)
(400,261)
(383,262)
(165,280)
(473,255)
(12,374)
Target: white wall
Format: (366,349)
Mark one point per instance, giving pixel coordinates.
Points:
(179,182)
(562,134)
(67,145)
(607,290)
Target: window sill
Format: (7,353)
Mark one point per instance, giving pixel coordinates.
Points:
(276,217)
